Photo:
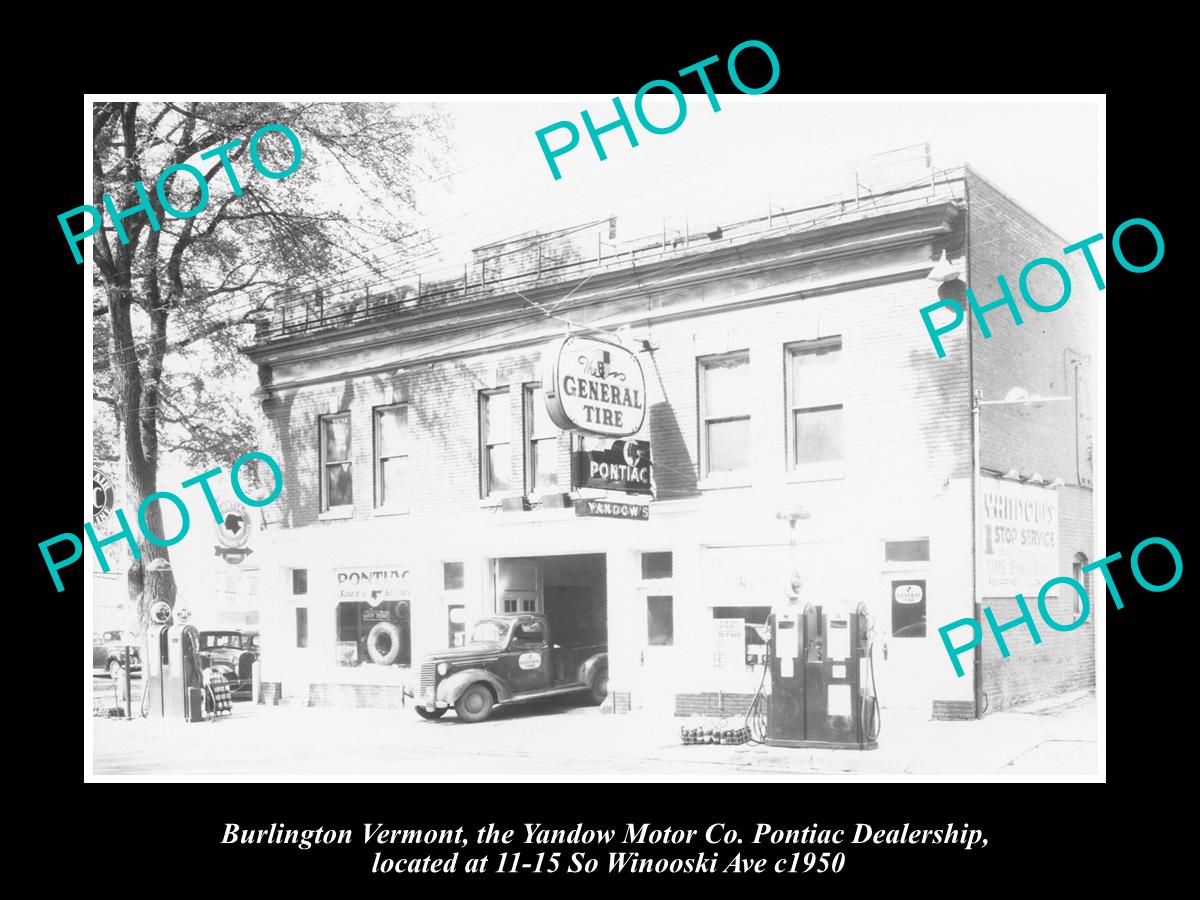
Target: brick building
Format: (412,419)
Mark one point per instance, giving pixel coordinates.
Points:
(787,370)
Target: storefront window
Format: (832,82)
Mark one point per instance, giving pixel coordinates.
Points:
(741,647)
(378,635)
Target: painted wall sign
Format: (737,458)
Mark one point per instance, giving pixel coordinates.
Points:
(594,387)
(1020,538)
(374,586)
(605,509)
(623,467)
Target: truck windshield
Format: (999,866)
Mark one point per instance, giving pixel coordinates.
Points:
(489,631)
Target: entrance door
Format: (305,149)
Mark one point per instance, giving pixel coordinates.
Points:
(656,682)
(902,646)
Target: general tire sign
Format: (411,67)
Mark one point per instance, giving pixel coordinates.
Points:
(606,509)
(594,387)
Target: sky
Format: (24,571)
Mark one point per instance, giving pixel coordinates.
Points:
(786,151)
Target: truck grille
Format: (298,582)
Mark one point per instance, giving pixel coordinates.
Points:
(428,678)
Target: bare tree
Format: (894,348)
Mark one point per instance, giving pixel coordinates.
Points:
(187,290)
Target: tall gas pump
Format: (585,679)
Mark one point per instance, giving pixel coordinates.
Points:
(174,688)
(822,679)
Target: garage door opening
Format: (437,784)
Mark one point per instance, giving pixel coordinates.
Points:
(571,590)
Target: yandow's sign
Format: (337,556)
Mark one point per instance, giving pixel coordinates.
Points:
(595,387)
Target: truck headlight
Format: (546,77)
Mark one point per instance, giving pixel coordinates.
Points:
(443,668)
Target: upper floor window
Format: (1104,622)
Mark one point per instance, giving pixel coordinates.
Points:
(494,441)
(337,489)
(541,442)
(814,402)
(391,457)
(725,415)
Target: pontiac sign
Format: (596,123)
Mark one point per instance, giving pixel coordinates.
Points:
(624,467)
(595,387)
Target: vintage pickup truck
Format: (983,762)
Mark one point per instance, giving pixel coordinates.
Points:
(508,659)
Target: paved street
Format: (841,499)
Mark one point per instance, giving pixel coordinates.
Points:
(568,739)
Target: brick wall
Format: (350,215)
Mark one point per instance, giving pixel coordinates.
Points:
(905,411)
(1054,440)
(712,704)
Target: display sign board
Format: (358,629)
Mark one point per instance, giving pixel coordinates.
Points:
(729,647)
(623,467)
(235,527)
(606,509)
(373,586)
(594,387)
(1020,538)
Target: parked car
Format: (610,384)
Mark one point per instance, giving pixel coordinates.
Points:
(108,652)
(232,653)
(508,659)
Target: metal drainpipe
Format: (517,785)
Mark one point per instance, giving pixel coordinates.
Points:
(976,471)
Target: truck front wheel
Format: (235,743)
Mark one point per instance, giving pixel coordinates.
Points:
(475,704)
(430,714)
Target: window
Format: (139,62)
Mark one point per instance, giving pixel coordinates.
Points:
(336,486)
(656,565)
(391,457)
(660,621)
(518,585)
(541,442)
(528,634)
(452,576)
(301,626)
(814,402)
(299,582)
(725,416)
(379,635)
(908,609)
(906,551)
(741,636)
(456,619)
(494,440)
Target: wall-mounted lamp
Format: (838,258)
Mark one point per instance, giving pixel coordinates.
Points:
(1011,475)
(943,271)
(1035,478)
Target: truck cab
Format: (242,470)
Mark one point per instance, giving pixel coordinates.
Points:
(508,659)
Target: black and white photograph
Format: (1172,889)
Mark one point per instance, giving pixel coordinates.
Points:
(703,433)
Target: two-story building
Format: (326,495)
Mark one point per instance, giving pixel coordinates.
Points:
(798,417)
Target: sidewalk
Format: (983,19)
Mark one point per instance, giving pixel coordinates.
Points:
(284,741)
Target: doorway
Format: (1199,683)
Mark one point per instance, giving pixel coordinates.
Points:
(572,592)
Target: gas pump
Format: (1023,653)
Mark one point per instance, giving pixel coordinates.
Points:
(173,687)
(822,680)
